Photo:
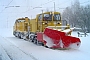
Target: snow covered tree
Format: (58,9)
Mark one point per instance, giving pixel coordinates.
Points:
(77,15)
(84,18)
(71,14)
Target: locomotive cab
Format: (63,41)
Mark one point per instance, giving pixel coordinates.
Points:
(51,20)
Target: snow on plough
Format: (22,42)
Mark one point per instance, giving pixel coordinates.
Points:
(46,30)
(60,39)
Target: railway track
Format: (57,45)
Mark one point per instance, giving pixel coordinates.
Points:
(13,51)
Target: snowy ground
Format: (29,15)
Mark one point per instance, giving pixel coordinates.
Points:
(12,48)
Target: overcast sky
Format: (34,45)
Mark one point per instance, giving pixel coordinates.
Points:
(30,8)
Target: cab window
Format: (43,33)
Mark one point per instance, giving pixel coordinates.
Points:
(57,17)
(40,17)
(47,17)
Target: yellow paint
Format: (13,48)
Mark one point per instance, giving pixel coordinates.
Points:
(39,23)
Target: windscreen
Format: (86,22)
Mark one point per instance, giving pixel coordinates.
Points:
(47,17)
(57,17)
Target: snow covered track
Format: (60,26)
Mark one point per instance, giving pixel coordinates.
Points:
(3,54)
(12,52)
(19,49)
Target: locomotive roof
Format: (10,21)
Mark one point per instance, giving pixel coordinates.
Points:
(22,18)
(50,12)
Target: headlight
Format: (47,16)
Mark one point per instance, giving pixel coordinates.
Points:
(43,23)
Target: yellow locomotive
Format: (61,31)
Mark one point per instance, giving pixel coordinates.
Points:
(28,29)
(48,19)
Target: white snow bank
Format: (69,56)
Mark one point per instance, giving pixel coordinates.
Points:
(13,51)
(48,40)
(42,53)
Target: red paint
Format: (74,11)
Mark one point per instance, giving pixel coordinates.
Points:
(57,36)
(39,36)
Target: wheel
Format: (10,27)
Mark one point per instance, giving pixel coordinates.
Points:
(19,35)
(15,34)
(46,46)
(42,44)
(35,41)
(32,38)
(22,36)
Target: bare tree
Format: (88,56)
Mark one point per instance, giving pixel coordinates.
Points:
(71,14)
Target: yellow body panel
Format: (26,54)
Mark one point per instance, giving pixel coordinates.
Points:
(21,25)
(43,20)
(33,25)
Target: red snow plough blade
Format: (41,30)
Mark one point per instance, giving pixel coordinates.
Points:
(58,39)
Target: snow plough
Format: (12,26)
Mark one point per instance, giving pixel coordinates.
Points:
(47,30)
